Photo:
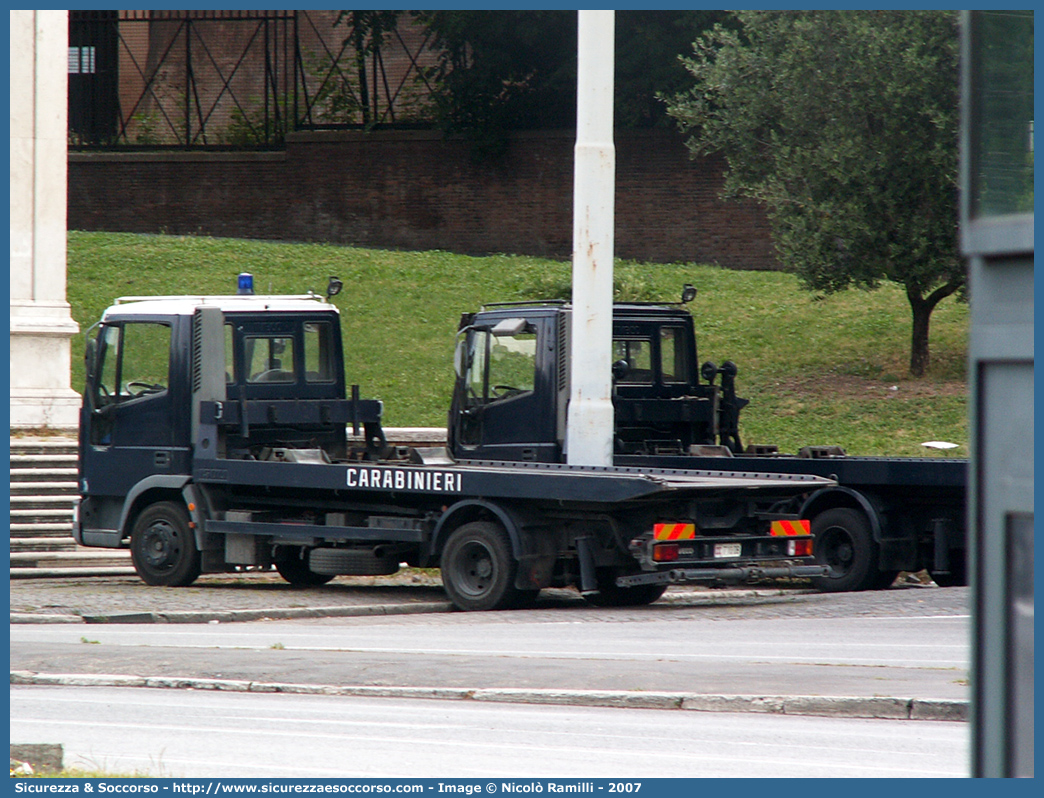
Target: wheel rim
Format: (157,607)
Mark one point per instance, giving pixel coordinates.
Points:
(837,549)
(160,546)
(475,569)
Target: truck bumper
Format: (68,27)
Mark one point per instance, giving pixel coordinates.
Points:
(736,575)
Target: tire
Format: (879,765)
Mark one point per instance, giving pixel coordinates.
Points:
(293,567)
(478,568)
(163,548)
(611,595)
(843,541)
(350,562)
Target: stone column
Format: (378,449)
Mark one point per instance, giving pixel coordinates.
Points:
(41,324)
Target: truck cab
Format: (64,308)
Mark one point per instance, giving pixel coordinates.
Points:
(512,385)
(145,370)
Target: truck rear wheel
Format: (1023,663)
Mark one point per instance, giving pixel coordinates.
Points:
(611,595)
(478,568)
(293,567)
(163,548)
(844,541)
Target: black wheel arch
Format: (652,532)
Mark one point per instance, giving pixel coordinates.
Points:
(156,488)
(535,553)
(830,498)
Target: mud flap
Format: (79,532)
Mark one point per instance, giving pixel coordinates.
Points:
(588,582)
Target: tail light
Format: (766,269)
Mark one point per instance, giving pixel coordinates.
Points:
(799,547)
(665,552)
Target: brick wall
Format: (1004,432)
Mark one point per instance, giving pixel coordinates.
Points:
(416,190)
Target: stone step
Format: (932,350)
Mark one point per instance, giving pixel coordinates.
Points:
(40,502)
(86,558)
(43,446)
(43,544)
(49,515)
(52,529)
(42,461)
(43,489)
(71,572)
(49,474)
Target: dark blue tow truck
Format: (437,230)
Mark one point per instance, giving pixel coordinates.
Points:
(213,438)
(883,515)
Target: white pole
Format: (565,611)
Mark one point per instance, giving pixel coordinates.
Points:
(589,436)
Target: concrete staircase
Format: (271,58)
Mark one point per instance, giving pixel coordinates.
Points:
(43,487)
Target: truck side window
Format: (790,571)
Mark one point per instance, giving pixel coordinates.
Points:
(500,367)
(270,359)
(146,359)
(317,352)
(637,353)
(674,365)
(230,359)
(134,363)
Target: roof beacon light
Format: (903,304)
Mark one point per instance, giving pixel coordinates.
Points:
(246,283)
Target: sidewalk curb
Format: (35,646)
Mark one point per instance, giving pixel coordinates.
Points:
(232,616)
(827,706)
(341,611)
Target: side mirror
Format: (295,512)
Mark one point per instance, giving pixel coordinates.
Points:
(458,357)
(688,293)
(709,371)
(334,287)
(620,369)
(89,354)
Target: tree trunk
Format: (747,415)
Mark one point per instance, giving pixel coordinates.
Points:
(922,308)
(919,354)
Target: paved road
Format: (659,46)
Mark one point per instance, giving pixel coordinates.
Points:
(922,656)
(201,734)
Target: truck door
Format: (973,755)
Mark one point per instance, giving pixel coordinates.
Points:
(507,410)
(128,408)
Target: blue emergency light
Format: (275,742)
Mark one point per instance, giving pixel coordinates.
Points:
(246,283)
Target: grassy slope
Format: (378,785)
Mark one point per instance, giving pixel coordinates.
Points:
(826,371)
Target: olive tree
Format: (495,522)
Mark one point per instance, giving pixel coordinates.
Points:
(845,125)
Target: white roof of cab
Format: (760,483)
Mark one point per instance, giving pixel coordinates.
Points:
(186,305)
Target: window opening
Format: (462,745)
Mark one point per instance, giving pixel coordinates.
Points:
(270,359)
(673,356)
(636,353)
(501,366)
(318,352)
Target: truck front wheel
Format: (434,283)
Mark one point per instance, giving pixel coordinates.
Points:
(163,548)
(844,541)
(478,568)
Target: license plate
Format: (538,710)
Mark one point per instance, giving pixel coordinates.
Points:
(725,550)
